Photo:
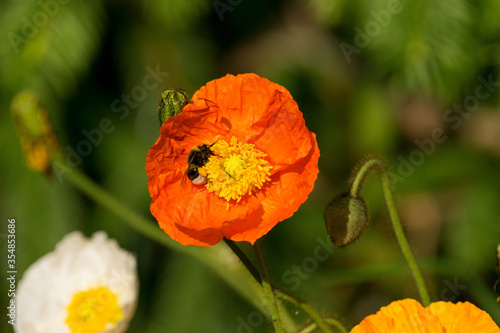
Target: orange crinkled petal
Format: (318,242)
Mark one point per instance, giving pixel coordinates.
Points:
(408,316)
(256,111)
(405,316)
(463,318)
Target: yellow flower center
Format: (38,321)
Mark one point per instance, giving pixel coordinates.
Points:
(92,310)
(236,169)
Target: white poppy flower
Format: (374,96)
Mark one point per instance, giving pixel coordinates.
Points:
(83,286)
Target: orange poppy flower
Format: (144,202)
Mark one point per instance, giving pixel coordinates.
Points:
(408,316)
(262,162)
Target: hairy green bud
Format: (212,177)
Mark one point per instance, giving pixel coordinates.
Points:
(346,218)
(172,102)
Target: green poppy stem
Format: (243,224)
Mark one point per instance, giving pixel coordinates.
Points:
(403,242)
(363,173)
(244,260)
(376,164)
(315,316)
(337,324)
(268,290)
(319,322)
(309,328)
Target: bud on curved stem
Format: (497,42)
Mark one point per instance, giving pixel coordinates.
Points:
(346,217)
(171,103)
(35,132)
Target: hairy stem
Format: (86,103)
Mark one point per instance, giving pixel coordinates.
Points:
(315,316)
(268,290)
(375,164)
(403,242)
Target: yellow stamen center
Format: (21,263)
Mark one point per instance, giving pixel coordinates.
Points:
(236,169)
(92,310)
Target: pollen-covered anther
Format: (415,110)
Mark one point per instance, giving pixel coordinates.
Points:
(236,169)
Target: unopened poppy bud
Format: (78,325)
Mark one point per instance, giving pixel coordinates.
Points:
(35,131)
(171,103)
(346,218)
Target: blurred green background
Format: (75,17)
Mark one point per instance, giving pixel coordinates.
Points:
(371,77)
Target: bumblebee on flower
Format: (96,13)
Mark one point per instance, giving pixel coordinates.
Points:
(261,167)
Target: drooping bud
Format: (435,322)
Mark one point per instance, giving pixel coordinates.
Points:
(346,218)
(35,132)
(171,103)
